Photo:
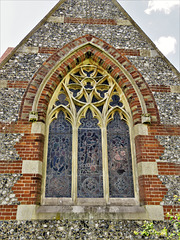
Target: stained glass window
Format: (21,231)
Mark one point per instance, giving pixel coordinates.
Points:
(86,99)
(58,177)
(90,180)
(119,157)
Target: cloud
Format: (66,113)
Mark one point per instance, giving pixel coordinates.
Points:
(165,6)
(166,44)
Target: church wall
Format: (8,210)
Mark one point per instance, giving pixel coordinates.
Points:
(157,148)
(74,229)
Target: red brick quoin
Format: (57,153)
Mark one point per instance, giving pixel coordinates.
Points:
(30,147)
(8,212)
(153,190)
(148,149)
(28,189)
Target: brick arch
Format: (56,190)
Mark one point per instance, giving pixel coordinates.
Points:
(47,78)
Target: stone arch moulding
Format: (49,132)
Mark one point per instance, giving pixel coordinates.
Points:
(49,75)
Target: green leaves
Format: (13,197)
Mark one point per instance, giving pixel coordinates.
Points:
(174,233)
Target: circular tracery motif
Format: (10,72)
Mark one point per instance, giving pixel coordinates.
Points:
(87,84)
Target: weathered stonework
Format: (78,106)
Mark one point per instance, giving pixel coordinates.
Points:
(70,230)
(172,148)
(7,181)
(173,185)
(10,104)
(21,67)
(89,9)
(155,71)
(169,107)
(123,37)
(7,142)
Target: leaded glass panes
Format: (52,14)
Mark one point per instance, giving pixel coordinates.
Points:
(90,179)
(58,177)
(86,94)
(119,157)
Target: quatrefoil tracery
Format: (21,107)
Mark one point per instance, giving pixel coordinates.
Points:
(88,86)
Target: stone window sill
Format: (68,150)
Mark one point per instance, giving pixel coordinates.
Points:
(95,209)
(90,202)
(98,205)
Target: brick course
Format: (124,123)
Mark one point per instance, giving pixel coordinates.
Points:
(8,212)
(151,190)
(30,147)
(28,189)
(148,149)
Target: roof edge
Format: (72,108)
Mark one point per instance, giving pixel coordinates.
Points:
(5,60)
(119,7)
(174,69)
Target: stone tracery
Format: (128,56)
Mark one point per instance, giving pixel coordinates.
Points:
(90,99)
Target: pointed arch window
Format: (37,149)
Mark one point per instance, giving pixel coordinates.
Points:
(88,138)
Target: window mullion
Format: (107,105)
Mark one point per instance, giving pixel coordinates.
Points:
(74,163)
(105,164)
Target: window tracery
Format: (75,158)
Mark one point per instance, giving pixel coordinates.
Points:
(94,154)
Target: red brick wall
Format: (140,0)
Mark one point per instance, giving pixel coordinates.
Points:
(8,212)
(151,190)
(28,189)
(30,147)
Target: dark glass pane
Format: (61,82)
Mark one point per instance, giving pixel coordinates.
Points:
(77,108)
(116,101)
(90,180)
(62,100)
(77,74)
(100,108)
(105,82)
(94,99)
(88,74)
(102,92)
(88,85)
(71,81)
(58,178)
(74,91)
(119,159)
(99,75)
(83,99)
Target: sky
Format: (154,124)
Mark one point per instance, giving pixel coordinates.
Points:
(159,19)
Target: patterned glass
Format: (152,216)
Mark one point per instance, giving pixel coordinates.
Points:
(58,178)
(90,180)
(88,86)
(119,157)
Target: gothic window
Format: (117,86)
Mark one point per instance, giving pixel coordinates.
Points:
(88,138)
